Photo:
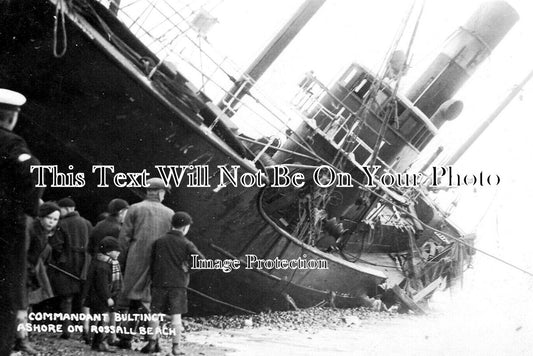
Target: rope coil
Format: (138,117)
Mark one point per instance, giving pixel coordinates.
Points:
(60,12)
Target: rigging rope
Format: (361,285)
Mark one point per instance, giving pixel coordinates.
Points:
(377,83)
(458,240)
(220,301)
(387,200)
(123,47)
(392,98)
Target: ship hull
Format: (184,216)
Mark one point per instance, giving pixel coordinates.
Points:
(94,107)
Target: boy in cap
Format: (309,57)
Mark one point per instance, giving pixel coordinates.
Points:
(18,199)
(170,277)
(104,284)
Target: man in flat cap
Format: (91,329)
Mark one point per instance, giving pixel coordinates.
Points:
(144,223)
(19,199)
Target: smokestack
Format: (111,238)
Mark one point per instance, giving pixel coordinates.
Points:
(469,46)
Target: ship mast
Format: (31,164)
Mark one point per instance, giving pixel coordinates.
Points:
(271,52)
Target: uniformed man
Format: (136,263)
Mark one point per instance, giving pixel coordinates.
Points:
(19,199)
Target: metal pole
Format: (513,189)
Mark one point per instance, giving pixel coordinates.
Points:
(269,55)
(465,146)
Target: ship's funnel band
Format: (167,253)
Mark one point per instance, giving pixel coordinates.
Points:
(477,37)
(466,49)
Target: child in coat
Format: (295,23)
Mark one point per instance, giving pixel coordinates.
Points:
(104,282)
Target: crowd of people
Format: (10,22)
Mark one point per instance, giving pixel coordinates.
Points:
(135,257)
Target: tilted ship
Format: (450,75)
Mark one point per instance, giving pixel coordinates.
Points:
(97,95)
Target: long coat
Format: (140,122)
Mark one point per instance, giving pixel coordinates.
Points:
(18,199)
(78,230)
(145,222)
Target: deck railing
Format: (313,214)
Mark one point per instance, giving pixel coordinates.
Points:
(175,32)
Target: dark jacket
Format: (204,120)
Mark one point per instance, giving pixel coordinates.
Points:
(58,257)
(18,194)
(61,257)
(18,199)
(170,256)
(99,282)
(78,230)
(110,226)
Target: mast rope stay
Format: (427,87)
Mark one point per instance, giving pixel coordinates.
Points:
(363,111)
(392,99)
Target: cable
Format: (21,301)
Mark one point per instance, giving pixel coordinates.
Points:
(219,301)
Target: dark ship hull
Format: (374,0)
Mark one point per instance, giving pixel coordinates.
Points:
(96,106)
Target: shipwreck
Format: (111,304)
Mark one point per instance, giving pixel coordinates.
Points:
(98,95)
